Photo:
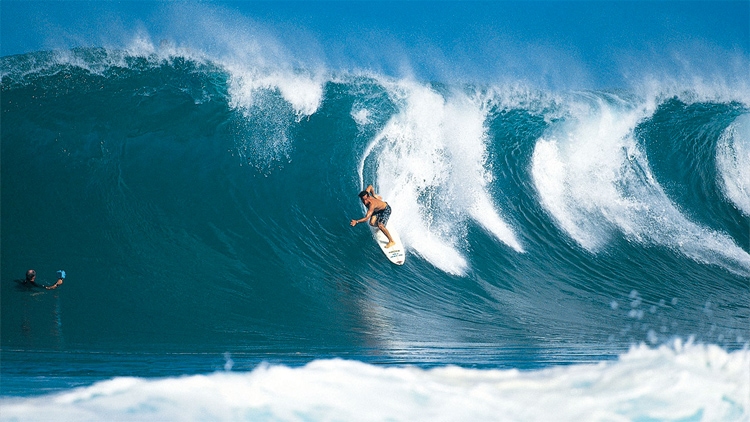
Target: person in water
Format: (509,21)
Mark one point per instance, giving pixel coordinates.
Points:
(31,279)
(378,212)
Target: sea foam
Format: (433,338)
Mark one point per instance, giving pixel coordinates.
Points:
(676,382)
(594,180)
(733,162)
(432,166)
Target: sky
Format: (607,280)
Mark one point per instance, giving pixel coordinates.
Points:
(599,42)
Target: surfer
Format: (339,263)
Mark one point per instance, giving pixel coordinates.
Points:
(31,279)
(378,212)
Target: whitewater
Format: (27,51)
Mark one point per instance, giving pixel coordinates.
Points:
(685,382)
(576,250)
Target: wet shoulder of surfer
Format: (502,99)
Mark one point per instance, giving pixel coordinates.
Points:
(378,212)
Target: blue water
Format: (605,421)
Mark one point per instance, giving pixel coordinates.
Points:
(568,183)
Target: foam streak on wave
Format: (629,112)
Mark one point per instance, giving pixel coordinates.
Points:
(431,161)
(593,180)
(733,162)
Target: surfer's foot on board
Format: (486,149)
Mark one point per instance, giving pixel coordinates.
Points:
(391,243)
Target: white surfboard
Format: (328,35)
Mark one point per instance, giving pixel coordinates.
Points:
(396,253)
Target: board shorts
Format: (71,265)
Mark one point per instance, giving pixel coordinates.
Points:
(383,215)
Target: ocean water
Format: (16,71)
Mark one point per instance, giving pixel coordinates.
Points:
(575,205)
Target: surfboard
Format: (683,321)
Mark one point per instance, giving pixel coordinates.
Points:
(396,253)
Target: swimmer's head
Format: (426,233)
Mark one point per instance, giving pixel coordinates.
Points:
(30,275)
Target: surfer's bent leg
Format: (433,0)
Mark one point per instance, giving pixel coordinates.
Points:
(382,228)
(382,221)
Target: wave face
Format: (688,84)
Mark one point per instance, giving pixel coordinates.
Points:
(200,206)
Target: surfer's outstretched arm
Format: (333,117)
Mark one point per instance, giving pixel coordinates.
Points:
(367,216)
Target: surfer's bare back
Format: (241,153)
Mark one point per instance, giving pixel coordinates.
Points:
(378,212)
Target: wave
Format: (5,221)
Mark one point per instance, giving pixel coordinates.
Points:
(574,202)
(431,161)
(594,178)
(526,213)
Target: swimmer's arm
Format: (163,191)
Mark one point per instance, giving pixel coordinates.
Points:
(56,285)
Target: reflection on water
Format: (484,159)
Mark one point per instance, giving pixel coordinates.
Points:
(41,316)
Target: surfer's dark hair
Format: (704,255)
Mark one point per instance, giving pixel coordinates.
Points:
(363,194)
